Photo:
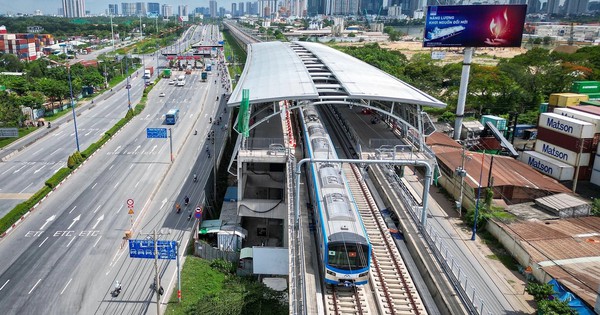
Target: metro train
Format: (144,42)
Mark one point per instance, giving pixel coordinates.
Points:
(344,247)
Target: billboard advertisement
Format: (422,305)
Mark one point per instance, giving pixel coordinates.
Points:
(474,26)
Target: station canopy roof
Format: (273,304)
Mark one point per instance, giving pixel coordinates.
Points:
(277,71)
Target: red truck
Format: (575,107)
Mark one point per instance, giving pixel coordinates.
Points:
(148,72)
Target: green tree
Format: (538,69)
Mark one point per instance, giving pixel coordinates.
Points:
(10,113)
(10,63)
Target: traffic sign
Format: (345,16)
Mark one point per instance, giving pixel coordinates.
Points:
(528,269)
(198,213)
(145,249)
(130,203)
(130,210)
(156,133)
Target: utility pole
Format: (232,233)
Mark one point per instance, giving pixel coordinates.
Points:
(73,107)
(156,278)
(462,174)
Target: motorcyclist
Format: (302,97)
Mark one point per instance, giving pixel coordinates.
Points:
(186,200)
(195,178)
(210,120)
(178,207)
(195,132)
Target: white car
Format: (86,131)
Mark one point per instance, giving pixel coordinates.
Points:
(161,95)
(171,82)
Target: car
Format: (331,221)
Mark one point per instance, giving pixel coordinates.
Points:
(161,95)
(171,82)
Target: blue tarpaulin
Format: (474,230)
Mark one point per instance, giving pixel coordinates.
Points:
(573,301)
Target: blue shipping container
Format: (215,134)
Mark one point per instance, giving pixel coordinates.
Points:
(520,129)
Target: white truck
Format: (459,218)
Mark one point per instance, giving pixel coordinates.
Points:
(181,80)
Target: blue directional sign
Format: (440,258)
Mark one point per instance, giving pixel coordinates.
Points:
(145,249)
(156,133)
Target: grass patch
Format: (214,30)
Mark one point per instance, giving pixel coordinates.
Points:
(208,288)
(499,253)
(22,133)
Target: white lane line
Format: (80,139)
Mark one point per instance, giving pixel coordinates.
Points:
(71,241)
(97,208)
(54,151)
(130,167)
(8,169)
(34,286)
(2,287)
(120,209)
(136,184)
(44,241)
(94,185)
(73,209)
(16,171)
(25,188)
(117,184)
(110,168)
(63,290)
(38,151)
(98,240)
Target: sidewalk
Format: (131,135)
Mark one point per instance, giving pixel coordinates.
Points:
(510,283)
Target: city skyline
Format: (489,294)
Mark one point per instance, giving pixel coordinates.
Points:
(95,7)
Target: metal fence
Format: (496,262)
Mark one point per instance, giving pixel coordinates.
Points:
(204,250)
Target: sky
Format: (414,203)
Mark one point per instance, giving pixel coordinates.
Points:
(50,7)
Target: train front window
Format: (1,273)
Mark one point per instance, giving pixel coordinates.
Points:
(347,256)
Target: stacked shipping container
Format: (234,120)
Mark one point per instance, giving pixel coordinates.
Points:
(25,46)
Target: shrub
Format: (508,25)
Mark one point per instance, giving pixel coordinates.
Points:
(71,162)
(58,177)
(17,212)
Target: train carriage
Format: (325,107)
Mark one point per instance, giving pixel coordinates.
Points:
(344,248)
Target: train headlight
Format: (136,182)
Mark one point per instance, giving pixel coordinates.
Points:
(331,273)
(364,274)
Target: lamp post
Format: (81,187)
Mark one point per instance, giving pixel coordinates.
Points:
(462,173)
(473,236)
(73,106)
(128,85)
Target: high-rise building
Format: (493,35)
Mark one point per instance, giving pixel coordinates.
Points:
(241,11)
(127,9)
(552,6)
(234,11)
(370,6)
(213,8)
(533,6)
(167,10)
(153,8)
(341,7)
(266,8)
(250,8)
(73,8)
(182,10)
(113,9)
(140,8)
(576,7)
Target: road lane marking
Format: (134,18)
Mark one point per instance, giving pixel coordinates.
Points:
(98,240)
(73,209)
(44,241)
(116,185)
(39,169)
(25,188)
(54,151)
(110,168)
(34,286)
(71,241)
(130,167)
(136,184)
(2,287)
(97,208)
(63,290)
(8,169)
(77,218)
(94,185)
(120,209)
(18,170)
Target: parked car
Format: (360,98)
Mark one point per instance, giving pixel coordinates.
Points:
(161,95)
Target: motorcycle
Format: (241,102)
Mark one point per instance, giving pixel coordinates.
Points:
(49,125)
(195,132)
(117,290)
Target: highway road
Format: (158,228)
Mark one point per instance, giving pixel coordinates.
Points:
(66,256)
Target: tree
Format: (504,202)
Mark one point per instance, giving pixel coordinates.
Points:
(10,112)
(10,63)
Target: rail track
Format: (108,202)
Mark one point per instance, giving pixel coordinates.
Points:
(392,286)
(351,300)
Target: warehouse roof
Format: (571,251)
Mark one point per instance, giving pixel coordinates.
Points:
(288,71)
(567,249)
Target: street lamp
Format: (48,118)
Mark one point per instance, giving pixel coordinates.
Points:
(73,106)
(128,87)
(462,173)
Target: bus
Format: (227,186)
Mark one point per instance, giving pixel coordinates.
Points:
(172,116)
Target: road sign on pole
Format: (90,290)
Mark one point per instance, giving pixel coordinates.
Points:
(156,133)
(145,249)
(130,210)
(130,203)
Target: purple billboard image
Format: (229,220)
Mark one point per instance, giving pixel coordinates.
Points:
(474,26)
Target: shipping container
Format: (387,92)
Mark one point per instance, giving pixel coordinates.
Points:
(547,165)
(588,109)
(593,96)
(561,154)
(498,122)
(564,141)
(585,87)
(592,103)
(566,99)
(569,126)
(595,178)
(573,113)
(543,107)
(520,128)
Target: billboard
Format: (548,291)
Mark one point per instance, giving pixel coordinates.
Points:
(474,26)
